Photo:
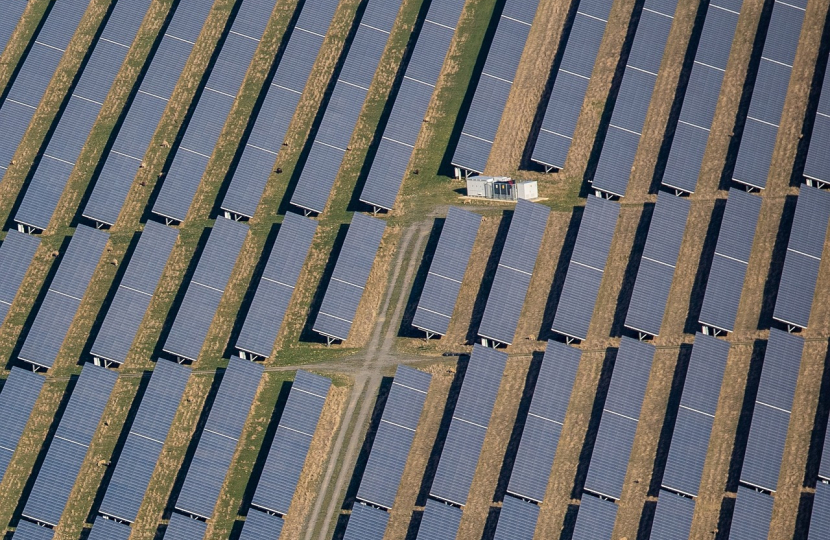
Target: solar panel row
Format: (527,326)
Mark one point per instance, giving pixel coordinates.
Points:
(182,527)
(654,277)
(410,104)
(261,526)
(35,73)
(446,272)
(817,166)
(212,109)
(276,286)
(145,111)
(63,298)
(134,293)
(108,529)
(288,451)
(701,97)
(26,530)
(801,265)
(205,290)
(17,399)
(517,519)
(512,280)
(75,121)
(16,254)
(672,517)
(277,110)
(726,277)
(12,12)
(586,268)
(820,514)
(595,520)
(761,129)
(468,427)
(68,448)
(494,86)
(345,289)
(571,83)
(439,521)
(633,98)
(752,515)
(145,440)
(620,417)
(219,438)
(366,523)
(340,118)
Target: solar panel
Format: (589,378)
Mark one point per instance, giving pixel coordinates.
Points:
(518,258)
(366,523)
(108,529)
(16,254)
(726,277)
(752,515)
(345,289)
(13,11)
(468,427)
(672,517)
(134,293)
(817,165)
(69,446)
(446,272)
(820,512)
(517,520)
(276,286)
(654,277)
(801,265)
(768,95)
(261,526)
(780,371)
(206,288)
(145,111)
(393,438)
(283,96)
(410,104)
(219,438)
(55,315)
(143,446)
(546,416)
(494,86)
(184,528)
(288,451)
(17,399)
(439,522)
(26,530)
(587,265)
(595,520)
(35,73)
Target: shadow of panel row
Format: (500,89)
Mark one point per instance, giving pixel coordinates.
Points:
(143,114)
(75,120)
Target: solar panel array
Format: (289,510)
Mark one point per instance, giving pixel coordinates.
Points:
(212,109)
(817,165)
(820,514)
(586,268)
(726,276)
(144,442)
(446,272)
(261,525)
(145,111)
(206,288)
(752,515)
(654,277)
(349,278)
(768,95)
(219,438)
(634,95)
(287,454)
(69,446)
(672,517)
(182,527)
(134,293)
(63,298)
(410,104)
(595,519)
(35,73)
(515,270)
(276,286)
(494,86)
(17,399)
(620,416)
(12,12)
(701,97)
(439,522)
(464,440)
(366,523)
(16,254)
(801,265)
(540,439)
(281,100)
(109,529)
(340,118)
(26,530)
(77,118)
(571,83)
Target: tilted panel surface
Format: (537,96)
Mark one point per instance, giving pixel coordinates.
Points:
(12,12)
(16,254)
(820,515)
(752,515)
(145,111)
(439,522)
(817,165)
(108,529)
(672,517)
(17,399)
(517,520)
(630,377)
(276,286)
(366,523)
(26,530)
(184,528)
(261,526)
(595,520)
